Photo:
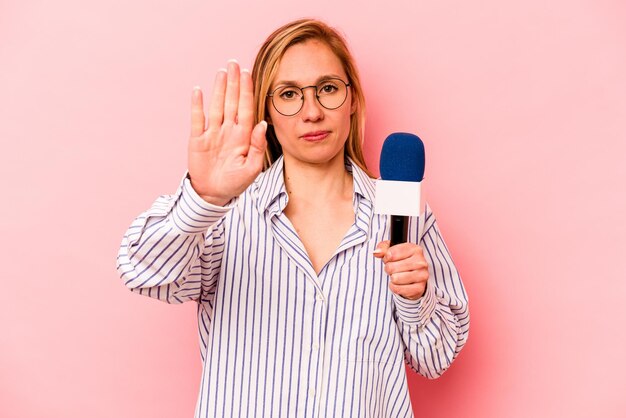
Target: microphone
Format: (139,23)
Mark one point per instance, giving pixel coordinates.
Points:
(398,192)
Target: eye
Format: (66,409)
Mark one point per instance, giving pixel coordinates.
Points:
(289,93)
(328,87)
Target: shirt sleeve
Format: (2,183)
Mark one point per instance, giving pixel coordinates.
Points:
(172,252)
(435,327)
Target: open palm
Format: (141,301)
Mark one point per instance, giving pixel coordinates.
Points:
(225,157)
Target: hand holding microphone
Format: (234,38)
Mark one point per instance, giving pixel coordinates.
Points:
(407,268)
(398,194)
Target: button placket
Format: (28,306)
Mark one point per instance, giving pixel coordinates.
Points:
(314,392)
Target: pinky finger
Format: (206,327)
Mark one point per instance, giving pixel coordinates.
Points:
(197,113)
(411,292)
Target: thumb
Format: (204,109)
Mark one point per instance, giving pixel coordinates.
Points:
(258,143)
(381,249)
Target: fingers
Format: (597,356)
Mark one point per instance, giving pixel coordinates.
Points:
(197,112)
(397,252)
(404,257)
(245,111)
(233,97)
(413,291)
(258,143)
(231,104)
(216,108)
(407,264)
(407,269)
(381,249)
(409,277)
(402,251)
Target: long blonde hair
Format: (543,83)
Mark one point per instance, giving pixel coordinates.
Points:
(266,67)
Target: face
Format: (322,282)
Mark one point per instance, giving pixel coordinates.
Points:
(314,135)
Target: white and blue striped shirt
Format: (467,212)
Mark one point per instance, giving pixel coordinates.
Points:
(277,339)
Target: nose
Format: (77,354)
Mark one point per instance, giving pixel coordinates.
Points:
(311,109)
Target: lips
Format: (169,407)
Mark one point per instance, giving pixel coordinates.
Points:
(315,136)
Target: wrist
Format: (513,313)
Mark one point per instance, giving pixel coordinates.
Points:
(213,200)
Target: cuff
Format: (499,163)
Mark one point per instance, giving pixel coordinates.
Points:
(192,214)
(416,312)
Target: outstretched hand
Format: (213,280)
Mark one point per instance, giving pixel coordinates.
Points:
(226,155)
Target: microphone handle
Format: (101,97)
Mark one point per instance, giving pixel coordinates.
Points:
(399,229)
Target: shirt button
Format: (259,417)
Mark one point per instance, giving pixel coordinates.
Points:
(320,297)
(316,347)
(311,392)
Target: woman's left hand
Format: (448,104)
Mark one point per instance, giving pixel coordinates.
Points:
(406,266)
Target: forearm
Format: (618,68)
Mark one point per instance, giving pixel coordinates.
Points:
(167,251)
(434,331)
(435,327)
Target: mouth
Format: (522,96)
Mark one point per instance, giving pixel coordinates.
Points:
(315,136)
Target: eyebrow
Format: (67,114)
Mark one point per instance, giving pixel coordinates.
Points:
(295,83)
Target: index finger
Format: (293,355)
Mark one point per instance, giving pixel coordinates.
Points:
(402,251)
(381,249)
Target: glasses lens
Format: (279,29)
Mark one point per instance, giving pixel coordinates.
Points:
(332,93)
(287,100)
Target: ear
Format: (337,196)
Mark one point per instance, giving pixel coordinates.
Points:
(268,118)
(353,106)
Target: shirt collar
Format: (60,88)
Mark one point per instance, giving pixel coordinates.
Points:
(364,185)
(271,184)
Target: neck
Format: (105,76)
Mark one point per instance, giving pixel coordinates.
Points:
(317,183)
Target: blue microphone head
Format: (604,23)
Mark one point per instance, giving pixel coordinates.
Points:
(402,158)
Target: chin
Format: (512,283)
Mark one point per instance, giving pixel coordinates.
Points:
(317,156)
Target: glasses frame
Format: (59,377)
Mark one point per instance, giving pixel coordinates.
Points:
(317,97)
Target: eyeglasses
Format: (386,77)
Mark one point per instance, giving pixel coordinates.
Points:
(330,93)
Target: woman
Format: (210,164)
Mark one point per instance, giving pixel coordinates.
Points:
(303,308)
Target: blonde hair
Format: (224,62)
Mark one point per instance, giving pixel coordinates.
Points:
(266,67)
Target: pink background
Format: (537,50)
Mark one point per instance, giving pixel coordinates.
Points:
(521,105)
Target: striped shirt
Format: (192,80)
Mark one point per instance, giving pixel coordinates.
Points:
(277,339)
